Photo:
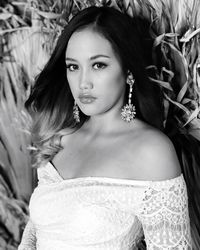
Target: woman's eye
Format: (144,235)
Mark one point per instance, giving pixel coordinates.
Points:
(99,65)
(72,67)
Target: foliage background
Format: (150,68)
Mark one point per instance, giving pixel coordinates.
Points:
(28,33)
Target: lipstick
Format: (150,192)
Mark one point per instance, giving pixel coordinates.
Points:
(86,99)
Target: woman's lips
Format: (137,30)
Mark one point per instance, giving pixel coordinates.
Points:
(87,99)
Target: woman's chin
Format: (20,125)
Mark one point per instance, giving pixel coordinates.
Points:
(92,113)
(89,111)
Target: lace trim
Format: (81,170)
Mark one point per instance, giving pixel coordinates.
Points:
(164,216)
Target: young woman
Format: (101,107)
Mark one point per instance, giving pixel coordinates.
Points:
(108,175)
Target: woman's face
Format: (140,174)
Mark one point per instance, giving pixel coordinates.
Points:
(94,73)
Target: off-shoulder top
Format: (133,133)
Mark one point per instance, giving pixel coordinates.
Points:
(99,213)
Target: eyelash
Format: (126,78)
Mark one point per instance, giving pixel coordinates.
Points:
(100,64)
(71,65)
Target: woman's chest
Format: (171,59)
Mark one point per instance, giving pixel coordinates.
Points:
(88,202)
(87,211)
(110,159)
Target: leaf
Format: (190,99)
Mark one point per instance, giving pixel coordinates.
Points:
(5,16)
(182,66)
(2,32)
(189,35)
(18,3)
(49,15)
(182,92)
(169,73)
(179,105)
(158,40)
(162,83)
(192,116)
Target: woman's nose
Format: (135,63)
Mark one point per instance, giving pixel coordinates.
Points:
(85,81)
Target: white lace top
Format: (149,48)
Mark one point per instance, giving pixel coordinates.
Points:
(97,213)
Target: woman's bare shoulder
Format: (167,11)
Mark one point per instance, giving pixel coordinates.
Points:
(158,156)
(67,133)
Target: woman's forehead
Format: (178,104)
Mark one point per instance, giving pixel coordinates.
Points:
(89,42)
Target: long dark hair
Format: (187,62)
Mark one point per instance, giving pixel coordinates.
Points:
(51,100)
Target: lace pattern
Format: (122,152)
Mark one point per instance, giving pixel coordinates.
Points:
(164,216)
(127,209)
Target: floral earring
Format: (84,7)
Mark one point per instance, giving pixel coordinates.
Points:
(76,113)
(128,111)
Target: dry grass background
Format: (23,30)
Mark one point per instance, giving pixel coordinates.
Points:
(28,32)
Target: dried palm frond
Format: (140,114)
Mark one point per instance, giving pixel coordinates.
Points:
(13,216)
(13,134)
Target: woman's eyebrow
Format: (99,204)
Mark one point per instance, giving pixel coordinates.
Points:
(70,59)
(91,58)
(97,56)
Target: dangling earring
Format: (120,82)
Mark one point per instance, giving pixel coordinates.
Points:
(76,113)
(128,111)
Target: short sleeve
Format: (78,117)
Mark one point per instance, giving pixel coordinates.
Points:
(164,215)
(28,241)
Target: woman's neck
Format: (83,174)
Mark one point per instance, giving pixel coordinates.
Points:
(107,124)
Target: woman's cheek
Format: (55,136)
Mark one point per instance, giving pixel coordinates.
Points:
(73,81)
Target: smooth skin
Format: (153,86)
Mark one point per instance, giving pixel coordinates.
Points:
(106,146)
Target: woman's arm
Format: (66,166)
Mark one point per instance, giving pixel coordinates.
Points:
(164,215)
(164,209)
